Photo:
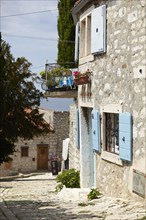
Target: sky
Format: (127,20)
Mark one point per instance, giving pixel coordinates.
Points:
(38,25)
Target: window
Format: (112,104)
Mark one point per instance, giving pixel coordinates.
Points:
(82,36)
(24,151)
(116,133)
(112,133)
(92,32)
(112,136)
(88,49)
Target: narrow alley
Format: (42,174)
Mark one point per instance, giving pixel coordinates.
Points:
(34,198)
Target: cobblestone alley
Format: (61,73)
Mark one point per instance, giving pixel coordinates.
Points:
(34,198)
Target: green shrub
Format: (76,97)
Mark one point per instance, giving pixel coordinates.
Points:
(59,187)
(69,178)
(93,194)
(82,204)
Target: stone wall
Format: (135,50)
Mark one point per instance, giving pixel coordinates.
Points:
(120,78)
(74,152)
(119,84)
(60,123)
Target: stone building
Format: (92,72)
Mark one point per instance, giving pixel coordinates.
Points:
(36,154)
(111,112)
(74,152)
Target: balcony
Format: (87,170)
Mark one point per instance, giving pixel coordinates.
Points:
(60,87)
(62,93)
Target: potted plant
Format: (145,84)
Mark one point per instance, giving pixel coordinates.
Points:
(58,78)
(82,78)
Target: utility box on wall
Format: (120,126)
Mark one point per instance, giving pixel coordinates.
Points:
(139,183)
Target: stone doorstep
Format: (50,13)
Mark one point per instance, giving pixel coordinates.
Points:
(73,194)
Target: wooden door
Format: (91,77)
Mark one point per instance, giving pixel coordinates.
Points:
(42,157)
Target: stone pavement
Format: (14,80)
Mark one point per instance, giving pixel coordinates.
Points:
(34,198)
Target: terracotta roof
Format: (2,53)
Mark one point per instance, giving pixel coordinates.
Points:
(28,110)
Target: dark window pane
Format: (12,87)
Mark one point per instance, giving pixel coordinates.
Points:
(112,132)
(24,151)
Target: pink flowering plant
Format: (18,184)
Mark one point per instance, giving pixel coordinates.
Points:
(78,74)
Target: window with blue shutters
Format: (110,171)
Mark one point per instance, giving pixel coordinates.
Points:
(92,33)
(77,130)
(118,134)
(96,131)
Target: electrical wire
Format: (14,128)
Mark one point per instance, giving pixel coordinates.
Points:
(35,67)
(29,13)
(39,38)
(28,0)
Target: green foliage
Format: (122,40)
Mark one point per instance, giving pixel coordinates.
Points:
(82,204)
(66,32)
(86,204)
(69,178)
(19,101)
(54,75)
(143,218)
(93,194)
(59,71)
(59,187)
(84,211)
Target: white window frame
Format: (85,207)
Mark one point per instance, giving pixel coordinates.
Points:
(114,147)
(84,54)
(85,48)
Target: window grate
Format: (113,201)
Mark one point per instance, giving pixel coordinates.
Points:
(112,132)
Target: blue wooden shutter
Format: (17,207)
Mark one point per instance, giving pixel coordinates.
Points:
(125,136)
(77,42)
(77,130)
(98,30)
(95,130)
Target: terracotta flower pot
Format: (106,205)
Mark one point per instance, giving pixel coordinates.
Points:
(82,80)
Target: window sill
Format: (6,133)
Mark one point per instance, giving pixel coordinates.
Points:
(113,158)
(86,59)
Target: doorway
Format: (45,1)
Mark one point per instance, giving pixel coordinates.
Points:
(42,157)
(86,153)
